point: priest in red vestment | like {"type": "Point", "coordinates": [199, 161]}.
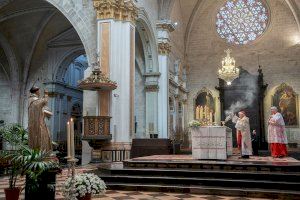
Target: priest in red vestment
{"type": "Point", "coordinates": [276, 134]}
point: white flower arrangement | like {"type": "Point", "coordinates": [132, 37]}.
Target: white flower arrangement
{"type": "Point", "coordinates": [85, 183]}
{"type": "Point", "coordinates": [194, 123]}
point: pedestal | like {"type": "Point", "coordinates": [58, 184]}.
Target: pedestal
{"type": "Point", "coordinates": [44, 188]}
{"type": "Point", "coordinates": [211, 142]}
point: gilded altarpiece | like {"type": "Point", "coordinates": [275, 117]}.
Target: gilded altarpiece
{"type": "Point", "coordinates": [204, 106]}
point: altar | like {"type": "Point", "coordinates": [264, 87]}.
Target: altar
{"type": "Point", "coordinates": [211, 142]}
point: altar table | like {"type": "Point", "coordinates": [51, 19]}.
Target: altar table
{"type": "Point", "coordinates": [211, 142]}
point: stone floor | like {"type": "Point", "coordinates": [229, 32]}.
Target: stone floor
{"type": "Point", "coordinates": [117, 195]}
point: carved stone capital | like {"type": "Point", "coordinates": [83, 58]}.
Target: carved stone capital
{"type": "Point", "coordinates": [151, 88]}
{"type": "Point", "coordinates": [53, 94]}
{"type": "Point", "coordinates": [164, 48]}
{"type": "Point", "coordinates": [124, 10]}
{"type": "Point", "coordinates": [166, 25]}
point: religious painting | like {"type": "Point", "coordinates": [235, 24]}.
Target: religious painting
{"type": "Point", "coordinates": [286, 100]}
{"type": "Point", "coordinates": [205, 106]}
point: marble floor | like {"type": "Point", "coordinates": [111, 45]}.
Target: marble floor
{"type": "Point", "coordinates": [118, 195]}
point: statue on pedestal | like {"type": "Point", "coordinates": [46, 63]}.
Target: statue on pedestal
{"type": "Point", "coordinates": [39, 135]}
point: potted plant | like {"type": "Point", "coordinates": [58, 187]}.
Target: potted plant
{"type": "Point", "coordinates": [25, 161]}
{"type": "Point", "coordinates": [15, 138]}
{"type": "Point", "coordinates": [83, 186]}
{"type": "Point", "coordinates": [40, 168]}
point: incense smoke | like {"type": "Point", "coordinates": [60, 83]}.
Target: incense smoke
{"type": "Point", "coordinates": [246, 100]}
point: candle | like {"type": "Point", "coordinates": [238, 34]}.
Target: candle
{"type": "Point", "coordinates": [72, 139]}
{"type": "Point", "coordinates": [206, 112]}
{"type": "Point", "coordinates": [201, 112]}
{"type": "Point", "coordinates": [197, 112]}
{"type": "Point", "coordinates": [210, 117]}
{"type": "Point", "coordinates": [68, 140]}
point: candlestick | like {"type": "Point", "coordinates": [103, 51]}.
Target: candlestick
{"type": "Point", "coordinates": [68, 140]}
{"type": "Point", "coordinates": [72, 139]}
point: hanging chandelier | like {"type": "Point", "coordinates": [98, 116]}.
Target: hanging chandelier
{"type": "Point", "coordinates": [228, 72]}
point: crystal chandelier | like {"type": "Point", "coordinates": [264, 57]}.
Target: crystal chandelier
{"type": "Point", "coordinates": [228, 72]}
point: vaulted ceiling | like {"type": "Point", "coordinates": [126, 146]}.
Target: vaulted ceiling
{"type": "Point", "coordinates": [190, 8]}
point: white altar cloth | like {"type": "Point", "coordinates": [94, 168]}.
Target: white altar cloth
{"type": "Point", "coordinates": [211, 142]}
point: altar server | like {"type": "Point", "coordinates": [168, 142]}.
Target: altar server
{"type": "Point", "coordinates": [243, 134]}
{"type": "Point", "coordinates": [276, 134]}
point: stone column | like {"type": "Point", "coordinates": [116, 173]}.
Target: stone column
{"type": "Point", "coordinates": [164, 28]}
{"type": "Point", "coordinates": [152, 88]}
{"type": "Point", "coordinates": [116, 47]}
{"type": "Point", "coordinates": [116, 44]}
{"type": "Point", "coordinates": [51, 105]}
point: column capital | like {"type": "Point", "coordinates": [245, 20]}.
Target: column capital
{"type": "Point", "coordinates": [53, 94]}
{"type": "Point", "coordinates": [152, 88]}
{"type": "Point", "coordinates": [165, 25]}
{"type": "Point", "coordinates": [164, 28]}
{"type": "Point", "coordinates": [164, 48]}
{"type": "Point", "coordinates": [124, 10]}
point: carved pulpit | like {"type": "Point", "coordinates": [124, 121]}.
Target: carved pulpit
{"type": "Point", "coordinates": [97, 128]}
{"type": "Point", "coordinates": [247, 90]}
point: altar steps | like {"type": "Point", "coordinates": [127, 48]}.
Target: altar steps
{"type": "Point", "coordinates": [205, 190]}
{"type": "Point", "coordinates": [266, 184]}
{"type": "Point", "coordinates": [215, 165]}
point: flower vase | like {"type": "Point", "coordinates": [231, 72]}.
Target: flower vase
{"type": "Point", "coordinates": [85, 197]}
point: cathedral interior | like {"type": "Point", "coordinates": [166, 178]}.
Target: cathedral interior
{"type": "Point", "coordinates": [159, 60]}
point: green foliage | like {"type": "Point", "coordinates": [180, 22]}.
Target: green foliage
{"type": "Point", "coordinates": [24, 160]}
{"type": "Point", "coordinates": [16, 137]}
{"type": "Point", "coordinates": [35, 163]}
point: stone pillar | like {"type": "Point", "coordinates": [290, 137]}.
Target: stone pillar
{"type": "Point", "coordinates": [152, 88]}
{"type": "Point", "coordinates": [164, 27]}
{"type": "Point", "coordinates": [116, 34]}
{"type": "Point", "coordinates": [116, 47]}
{"type": "Point", "coordinates": [51, 105]}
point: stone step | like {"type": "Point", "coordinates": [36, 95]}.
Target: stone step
{"type": "Point", "coordinates": [215, 165]}
{"type": "Point", "coordinates": [200, 181]}
{"type": "Point", "coordinates": [207, 190]}
{"type": "Point", "coordinates": [256, 175]}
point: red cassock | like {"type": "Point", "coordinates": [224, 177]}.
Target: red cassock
{"type": "Point", "coordinates": [239, 139]}
{"type": "Point", "coordinates": [278, 150]}
{"type": "Point", "coordinates": [277, 136]}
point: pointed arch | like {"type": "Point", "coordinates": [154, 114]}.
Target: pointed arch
{"type": "Point", "coordinates": [144, 28]}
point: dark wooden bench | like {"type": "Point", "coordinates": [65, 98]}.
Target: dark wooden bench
{"type": "Point", "coordinates": [149, 147]}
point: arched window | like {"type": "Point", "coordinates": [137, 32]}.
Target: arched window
{"type": "Point", "coordinates": [75, 71]}
{"type": "Point", "coordinates": [242, 21]}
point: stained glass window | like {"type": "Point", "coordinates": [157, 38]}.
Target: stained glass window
{"type": "Point", "coordinates": [242, 21]}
